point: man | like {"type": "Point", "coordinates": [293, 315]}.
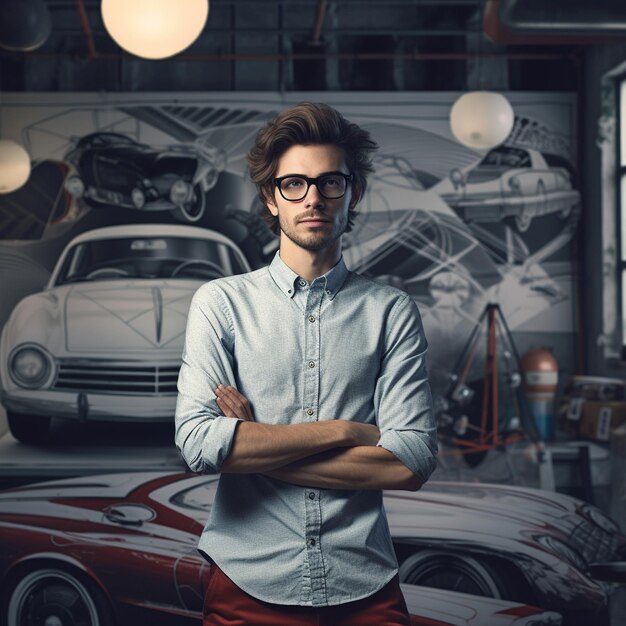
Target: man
{"type": "Point", "coordinates": [304, 385]}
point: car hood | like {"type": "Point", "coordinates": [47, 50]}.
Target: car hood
{"type": "Point", "coordinates": [498, 514]}
{"type": "Point", "coordinates": [127, 316]}
{"type": "Point", "coordinates": [508, 519]}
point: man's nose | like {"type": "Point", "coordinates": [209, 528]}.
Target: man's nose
{"type": "Point", "coordinates": [313, 195]}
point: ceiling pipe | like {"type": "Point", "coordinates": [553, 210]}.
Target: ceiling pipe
{"type": "Point", "coordinates": [499, 33]}
{"type": "Point", "coordinates": [319, 20]}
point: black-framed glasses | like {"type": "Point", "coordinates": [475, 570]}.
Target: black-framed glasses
{"type": "Point", "coordinates": [331, 185]}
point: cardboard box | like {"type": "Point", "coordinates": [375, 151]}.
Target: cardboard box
{"type": "Point", "coordinates": [597, 418]}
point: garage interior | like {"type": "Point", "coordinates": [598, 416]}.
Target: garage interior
{"type": "Point", "coordinates": [392, 53]}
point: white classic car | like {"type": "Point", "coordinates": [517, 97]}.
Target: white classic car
{"type": "Point", "coordinates": [511, 181]}
{"type": "Point", "coordinates": [104, 339]}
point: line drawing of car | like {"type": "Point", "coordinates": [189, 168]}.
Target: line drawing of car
{"type": "Point", "coordinates": [112, 169]}
{"type": "Point", "coordinates": [511, 181]}
{"type": "Point", "coordinates": [122, 549]}
{"type": "Point", "coordinates": [104, 339]}
{"type": "Point", "coordinates": [407, 231]}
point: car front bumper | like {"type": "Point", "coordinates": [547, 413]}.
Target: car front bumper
{"type": "Point", "coordinates": [85, 406]}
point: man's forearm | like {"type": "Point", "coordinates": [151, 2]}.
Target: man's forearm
{"type": "Point", "coordinates": [259, 448]}
{"type": "Point", "coordinates": [360, 467]}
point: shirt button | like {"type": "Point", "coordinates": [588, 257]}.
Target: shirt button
{"type": "Point", "coordinates": [328, 292]}
{"type": "Point", "coordinates": [311, 542]}
{"type": "Point", "coordinates": [311, 495]}
{"type": "Point", "coordinates": [309, 411]}
{"type": "Point", "coordinates": [302, 283]}
{"type": "Point", "coordinates": [311, 363]}
{"type": "Point", "coordinates": [311, 318]}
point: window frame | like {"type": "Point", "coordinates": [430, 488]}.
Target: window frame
{"type": "Point", "coordinates": [620, 189]}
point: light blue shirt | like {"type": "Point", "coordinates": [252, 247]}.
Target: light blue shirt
{"type": "Point", "coordinates": [339, 347]}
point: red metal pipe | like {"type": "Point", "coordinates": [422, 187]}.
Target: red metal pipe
{"type": "Point", "coordinates": [84, 22]}
{"type": "Point", "coordinates": [362, 56]}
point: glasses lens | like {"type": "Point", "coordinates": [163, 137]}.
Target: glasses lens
{"type": "Point", "coordinates": [293, 188]}
{"type": "Point", "coordinates": [332, 185]}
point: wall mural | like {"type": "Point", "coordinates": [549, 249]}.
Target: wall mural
{"type": "Point", "coordinates": [135, 200]}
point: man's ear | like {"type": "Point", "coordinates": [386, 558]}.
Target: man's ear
{"type": "Point", "coordinates": [356, 195]}
{"type": "Point", "coordinates": [270, 203]}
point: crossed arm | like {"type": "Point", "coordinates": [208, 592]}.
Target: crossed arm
{"type": "Point", "coordinates": [333, 454]}
{"type": "Point", "coordinates": [216, 430]}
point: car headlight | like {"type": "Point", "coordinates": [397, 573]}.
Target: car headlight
{"type": "Point", "coordinates": [30, 366]}
{"type": "Point", "coordinates": [75, 186]}
{"type": "Point", "coordinates": [180, 192]}
{"type": "Point", "coordinates": [138, 197]}
{"type": "Point", "coordinates": [514, 184]}
{"type": "Point", "coordinates": [600, 519]}
{"type": "Point", "coordinates": [560, 548]}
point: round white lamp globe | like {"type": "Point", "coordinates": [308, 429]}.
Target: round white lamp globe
{"type": "Point", "coordinates": [154, 29]}
{"type": "Point", "coordinates": [481, 119]}
{"type": "Point", "coordinates": [14, 166]}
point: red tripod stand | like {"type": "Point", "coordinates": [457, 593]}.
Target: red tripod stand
{"type": "Point", "coordinates": [473, 422]}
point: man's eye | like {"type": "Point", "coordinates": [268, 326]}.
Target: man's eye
{"type": "Point", "coordinates": [293, 183]}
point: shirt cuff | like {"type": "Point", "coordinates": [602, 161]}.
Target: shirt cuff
{"type": "Point", "coordinates": [221, 435]}
{"type": "Point", "coordinates": [409, 448]}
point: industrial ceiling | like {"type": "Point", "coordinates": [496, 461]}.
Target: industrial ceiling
{"type": "Point", "coordinates": [269, 45]}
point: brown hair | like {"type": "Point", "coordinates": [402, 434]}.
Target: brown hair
{"type": "Point", "coordinates": [305, 124]}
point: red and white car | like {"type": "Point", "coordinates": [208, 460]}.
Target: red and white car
{"type": "Point", "coordinates": [121, 549]}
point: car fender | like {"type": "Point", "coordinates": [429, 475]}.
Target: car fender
{"type": "Point", "coordinates": [36, 319]}
{"type": "Point", "coordinates": [29, 561]}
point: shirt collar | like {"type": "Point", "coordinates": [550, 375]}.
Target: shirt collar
{"type": "Point", "coordinates": [286, 278]}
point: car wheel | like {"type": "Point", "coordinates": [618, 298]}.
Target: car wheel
{"type": "Point", "coordinates": [55, 597]}
{"type": "Point", "coordinates": [566, 212]}
{"type": "Point", "coordinates": [193, 209]}
{"type": "Point", "coordinates": [28, 428]}
{"type": "Point", "coordinates": [522, 222]}
{"type": "Point", "coordinates": [453, 572]}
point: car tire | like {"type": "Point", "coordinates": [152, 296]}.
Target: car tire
{"type": "Point", "coordinates": [523, 221]}
{"type": "Point", "coordinates": [454, 572]}
{"type": "Point", "coordinates": [192, 211]}
{"type": "Point", "coordinates": [28, 428]}
{"type": "Point", "coordinates": [52, 595]}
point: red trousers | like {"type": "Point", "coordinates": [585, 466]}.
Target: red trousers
{"type": "Point", "coordinates": [225, 604]}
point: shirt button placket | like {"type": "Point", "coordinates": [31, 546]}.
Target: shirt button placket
{"type": "Point", "coordinates": [312, 329]}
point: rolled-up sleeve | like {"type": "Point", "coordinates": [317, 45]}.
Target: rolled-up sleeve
{"type": "Point", "coordinates": [203, 434]}
{"type": "Point", "coordinates": [402, 398]}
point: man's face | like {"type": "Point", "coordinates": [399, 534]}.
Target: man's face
{"type": "Point", "coordinates": [295, 217]}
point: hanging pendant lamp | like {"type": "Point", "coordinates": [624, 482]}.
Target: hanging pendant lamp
{"type": "Point", "coordinates": [154, 29]}
{"type": "Point", "coordinates": [481, 119]}
{"type": "Point", "coordinates": [14, 166]}
{"type": "Point", "coordinates": [25, 25]}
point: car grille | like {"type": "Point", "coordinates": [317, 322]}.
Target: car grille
{"type": "Point", "coordinates": [117, 377]}
{"type": "Point", "coordinates": [114, 176]}
{"type": "Point", "coordinates": [594, 543]}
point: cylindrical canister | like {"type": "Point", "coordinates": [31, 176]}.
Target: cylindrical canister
{"type": "Point", "coordinates": [541, 376]}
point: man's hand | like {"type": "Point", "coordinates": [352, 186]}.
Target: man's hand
{"type": "Point", "coordinates": [261, 447]}
{"type": "Point", "coordinates": [233, 404]}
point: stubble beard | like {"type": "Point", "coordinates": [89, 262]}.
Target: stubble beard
{"type": "Point", "coordinates": [316, 239]}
